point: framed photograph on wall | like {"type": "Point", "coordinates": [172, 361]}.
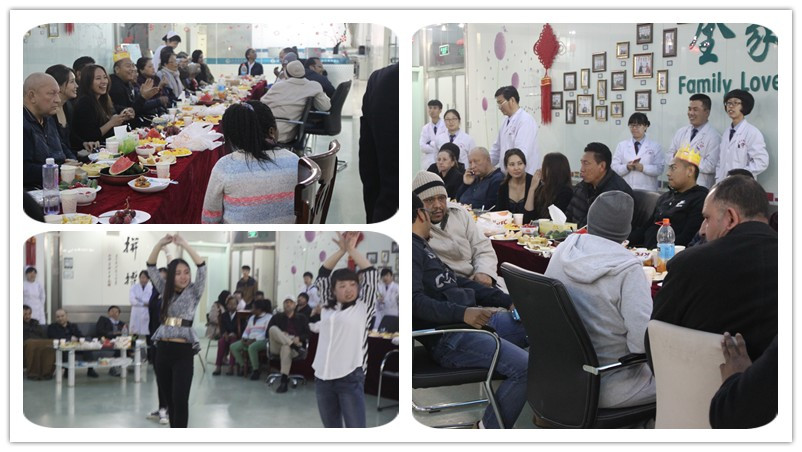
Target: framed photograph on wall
{"type": "Point", "coordinates": [617, 109]}
{"type": "Point", "coordinates": [601, 89]}
{"type": "Point", "coordinates": [662, 81]}
{"type": "Point", "coordinates": [584, 78]}
{"type": "Point", "coordinates": [394, 247]}
{"type": "Point", "coordinates": [372, 257]}
{"type": "Point", "coordinates": [643, 100]}
{"type": "Point", "coordinates": [642, 64]}
{"type": "Point", "coordinates": [644, 33]}
{"type": "Point", "coordinates": [385, 257]}
{"type": "Point", "coordinates": [557, 100]}
{"type": "Point", "coordinates": [570, 112]}
{"type": "Point", "coordinates": [622, 50]}
{"type": "Point", "coordinates": [52, 30]}
{"type": "Point", "coordinates": [619, 79]}
{"type": "Point", "coordinates": [584, 105]}
{"type": "Point", "coordinates": [669, 42]}
{"type": "Point", "coordinates": [569, 81]}
{"type": "Point", "coordinates": [601, 113]}
{"type": "Point", "coordinates": [599, 62]}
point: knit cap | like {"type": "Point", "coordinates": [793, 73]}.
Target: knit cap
{"type": "Point", "coordinates": [610, 216]}
{"type": "Point", "coordinates": [427, 185]}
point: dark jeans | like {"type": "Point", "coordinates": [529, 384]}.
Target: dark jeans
{"type": "Point", "coordinates": [476, 350]}
{"type": "Point", "coordinates": [174, 377]}
{"type": "Point", "coordinates": [342, 400]}
{"type": "Point", "coordinates": [162, 398]}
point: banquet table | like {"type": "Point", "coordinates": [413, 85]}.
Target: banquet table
{"type": "Point", "coordinates": [510, 251]}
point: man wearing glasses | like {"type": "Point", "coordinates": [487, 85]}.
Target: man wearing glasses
{"type": "Point", "coordinates": [519, 130]}
{"type": "Point", "coordinates": [742, 144]}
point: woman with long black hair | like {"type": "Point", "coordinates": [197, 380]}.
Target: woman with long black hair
{"type": "Point", "coordinates": [94, 118]}
{"type": "Point", "coordinates": [342, 353]}
{"type": "Point", "coordinates": [552, 185]}
{"type": "Point", "coordinates": [175, 337]}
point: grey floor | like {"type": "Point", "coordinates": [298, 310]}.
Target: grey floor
{"type": "Point", "coordinates": [220, 401]}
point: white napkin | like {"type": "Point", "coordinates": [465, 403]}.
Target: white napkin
{"type": "Point", "coordinates": [557, 215]}
{"type": "Point", "coordinates": [121, 132]}
{"type": "Point", "coordinates": [197, 136]}
{"type": "Point", "coordinates": [214, 110]}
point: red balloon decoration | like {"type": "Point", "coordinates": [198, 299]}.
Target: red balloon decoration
{"type": "Point", "coordinates": [546, 49]}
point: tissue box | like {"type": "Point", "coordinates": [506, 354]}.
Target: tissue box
{"type": "Point", "coordinates": [546, 226]}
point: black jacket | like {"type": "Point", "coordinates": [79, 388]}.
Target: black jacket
{"type": "Point", "coordinates": [300, 321]}
{"type": "Point", "coordinates": [561, 200]}
{"type": "Point", "coordinates": [86, 124]}
{"type": "Point", "coordinates": [585, 194]}
{"type": "Point", "coordinates": [729, 284]}
{"type": "Point", "coordinates": [328, 88]}
{"type": "Point", "coordinates": [229, 325]}
{"type": "Point", "coordinates": [104, 327]}
{"type": "Point", "coordinates": [40, 141]}
{"type": "Point", "coordinates": [683, 209]}
{"type": "Point", "coordinates": [503, 200]}
{"type": "Point", "coordinates": [56, 331]}
{"type": "Point", "coordinates": [257, 69]}
{"type": "Point", "coordinates": [453, 179]}
{"type": "Point", "coordinates": [32, 330]}
{"type": "Point", "coordinates": [127, 95]}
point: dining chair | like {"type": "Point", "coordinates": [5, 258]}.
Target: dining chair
{"type": "Point", "coordinates": [327, 162]}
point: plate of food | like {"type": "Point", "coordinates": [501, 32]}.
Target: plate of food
{"type": "Point", "coordinates": [71, 218]}
{"type": "Point", "coordinates": [507, 237]}
{"type": "Point", "coordinates": [144, 184]}
{"type": "Point", "coordinates": [177, 152]}
{"type": "Point", "coordinates": [102, 156]}
{"type": "Point", "coordinates": [126, 216]}
{"type": "Point", "coordinates": [92, 170]}
{"type": "Point", "coordinates": [154, 159]}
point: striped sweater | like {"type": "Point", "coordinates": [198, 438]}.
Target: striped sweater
{"type": "Point", "coordinates": [343, 343]}
{"type": "Point", "coordinates": [242, 190]}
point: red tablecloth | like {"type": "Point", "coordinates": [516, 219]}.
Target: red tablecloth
{"type": "Point", "coordinates": [510, 251]}
{"type": "Point", "coordinates": [180, 203]}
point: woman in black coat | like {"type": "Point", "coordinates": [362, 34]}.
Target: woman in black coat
{"type": "Point", "coordinates": [553, 187]}
{"type": "Point", "coordinates": [448, 168]}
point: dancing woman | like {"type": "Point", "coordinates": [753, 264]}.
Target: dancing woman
{"type": "Point", "coordinates": [175, 337]}
{"type": "Point", "coordinates": [342, 352]}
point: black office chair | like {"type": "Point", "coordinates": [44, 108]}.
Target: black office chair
{"type": "Point", "coordinates": [329, 122]}
{"type": "Point", "coordinates": [645, 202]}
{"type": "Point", "coordinates": [564, 371]}
{"type": "Point", "coordinates": [389, 373]}
{"type": "Point", "coordinates": [389, 324]}
{"type": "Point", "coordinates": [427, 373]}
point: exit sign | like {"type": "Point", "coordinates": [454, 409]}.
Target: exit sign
{"type": "Point", "coordinates": [253, 234]}
{"type": "Point", "coordinates": [444, 50]}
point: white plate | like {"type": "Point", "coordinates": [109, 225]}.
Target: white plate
{"type": "Point", "coordinates": [154, 165]}
{"type": "Point", "coordinates": [140, 217]}
{"type": "Point", "coordinates": [37, 196]}
{"type": "Point", "coordinates": [94, 158]}
{"type": "Point", "coordinates": [502, 238]}
{"type": "Point", "coordinates": [97, 190]}
{"type": "Point", "coordinates": [156, 185]}
{"type": "Point", "coordinates": [56, 219]}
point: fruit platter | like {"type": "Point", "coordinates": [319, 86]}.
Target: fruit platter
{"type": "Point", "coordinates": [144, 184]}
{"type": "Point", "coordinates": [124, 216]}
{"type": "Point", "coordinates": [123, 170]}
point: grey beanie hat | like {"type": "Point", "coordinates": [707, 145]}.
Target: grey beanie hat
{"type": "Point", "coordinates": [610, 216]}
{"type": "Point", "coordinates": [428, 184]}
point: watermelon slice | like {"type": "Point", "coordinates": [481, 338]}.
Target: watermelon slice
{"type": "Point", "coordinates": [120, 165]}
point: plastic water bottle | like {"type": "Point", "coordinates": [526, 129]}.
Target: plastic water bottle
{"type": "Point", "coordinates": [665, 242]}
{"type": "Point", "coordinates": [50, 198]}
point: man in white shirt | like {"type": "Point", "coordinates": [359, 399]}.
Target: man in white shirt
{"type": "Point", "coordinates": [310, 289]}
{"type": "Point", "coordinates": [287, 99]}
{"type": "Point", "coordinates": [699, 135]}
{"type": "Point", "coordinates": [388, 298]}
{"type": "Point", "coordinates": [428, 135]}
{"type": "Point", "coordinates": [519, 130]}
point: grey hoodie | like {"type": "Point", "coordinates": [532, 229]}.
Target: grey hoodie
{"type": "Point", "coordinates": [612, 296]}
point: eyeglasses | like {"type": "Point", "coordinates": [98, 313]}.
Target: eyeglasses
{"type": "Point", "coordinates": [500, 104]}
{"type": "Point", "coordinates": [635, 126]}
{"type": "Point", "coordinates": [732, 103]}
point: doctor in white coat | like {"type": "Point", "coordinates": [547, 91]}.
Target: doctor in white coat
{"type": "Point", "coordinates": [519, 130]}
{"type": "Point", "coordinates": [388, 298]}
{"type": "Point", "coordinates": [701, 136]}
{"type": "Point", "coordinates": [33, 295]}
{"type": "Point", "coordinates": [139, 296]}
{"type": "Point", "coordinates": [742, 145]}
{"type": "Point", "coordinates": [453, 134]}
{"type": "Point", "coordinates": [639, 160]}
{"type": "Point", "coordinates": [428, 135]}
{"type": "Point", "coordinates": [310, 289]}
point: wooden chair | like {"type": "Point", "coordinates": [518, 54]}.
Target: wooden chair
{"type": "Point", "coordinates": [327, 162]}
{"type": "Point", "coordinates": [308, 177]}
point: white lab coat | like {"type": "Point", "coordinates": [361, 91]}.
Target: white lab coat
{"type": "Point", "coordinates": [33, 295]}
{"type": "Point", "coordinates": [651, 157]}
{"type": "Point", "coordinates": [311, 290]}
{"type": "Point", "coordinates": [706, 141]}
{"type": "Point", "coordinates": [746, 150]}
{"type": "Point", "coordinates": [517, 131]}
{"type": "Point", "coordinates": [388, 302]}
{"type": "Point", "coordinates": [140, 298]}
{"type": "Point", "coordinates": [461, 139]}
{"type": "Point", "coordinates": [428, 148]}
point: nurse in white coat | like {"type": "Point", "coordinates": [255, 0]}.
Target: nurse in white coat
{"type": "Point", "coordinates": [519, 130]}
{"type": "Point", "coordinates": [33, 295]}
{"type": "Point", "coordinates": [742, 145]}
{"type": "Point", "coordinates": [428, 135]}
{"type": "Point", "coordinates": [453, 134]}
{"type": "Point", "coordinates": [639, 160]}
{"type": "Point", "coordinates": [140, 299]}
{"type": "Point", "coordinates": [701, 136]}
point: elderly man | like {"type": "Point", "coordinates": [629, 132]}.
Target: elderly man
{"type": "Point", "coordinates": [610, 294]}
{"type": "Point", "coordinates": [126, 94]}
{"type": "Point", "coordinates": [481, 181]}
{"type": "Point", "coordinates": [701, 136]}
{"type": "Point", "coordinates": [62, 328]}
{"type": "Point", "coordinates": [519, 130]}
{"type": "Point", "coordinates": [682, 203]}
{"type": "Point", "coordinates": [455, 238]}
{"type": "Point", "coordinates": [288, 99]}
{"type": "Point", "coordinates": [40, 136]}
{"type": "Point", "coordinates": [110, 326]}
{"type": "Point", "coordinates": [288, 332]}
{"type": "Point", "coordinates": [729, 283]}
{"type": "Point", "coordinates": [597, 178]}
{"type": "Point", "coordinates": [316, 73]}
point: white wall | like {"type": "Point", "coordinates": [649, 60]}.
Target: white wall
{"type": "Point", "coordinates": [41, 52]}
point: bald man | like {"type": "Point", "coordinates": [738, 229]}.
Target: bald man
{"type": "Point", "coordinates": [40, 138]}
{"type": "Point", "coordinates": [481, 181]}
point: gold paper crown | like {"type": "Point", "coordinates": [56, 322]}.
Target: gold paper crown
{"type": "Point", "coordinates": [121, 55]}
{"type": "Point", "coordinates": [689, 154]}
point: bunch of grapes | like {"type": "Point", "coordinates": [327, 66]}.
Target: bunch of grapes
{"type": "Point", "coordinates": [124, 216]}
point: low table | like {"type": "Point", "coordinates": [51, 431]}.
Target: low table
{"type": "Point", "coordinates": [71, 364]}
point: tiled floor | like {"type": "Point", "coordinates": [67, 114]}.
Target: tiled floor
{"type": "Point", "coordinates": [220, 401]}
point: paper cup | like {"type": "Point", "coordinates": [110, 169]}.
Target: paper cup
{"type": "Point", "coordinates": [55, 343]}
{"type": "Point", "coordinates": [518, 218]}
{"type": "Point", "coordinates": [53, 219]}
{"type": "Point", "coordinates": [172, 111]}
{"type": "Point", "coordinates": [649, 272]}
{"type": "Point", "coordinates": [68, 173]}
{"type": "Point", "coordinates": [112, 146]}
{"type": "Point", "coordinates": [69, 202]}
{"type": "Point", "coordinates": [163, 170]}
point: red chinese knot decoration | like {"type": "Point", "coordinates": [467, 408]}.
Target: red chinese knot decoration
{"type": "Point", "coordinates": [546, 49]}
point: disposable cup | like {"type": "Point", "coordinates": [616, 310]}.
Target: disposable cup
{"type": "Point", "coordinates": [518, 218]}
{"type": "Point", "coordinates": [69, 202]}
{"type": "Point", "coordinates": [163, 170]}
{"type": "Point", "coordinates": [68, 173]}
{"type": "Point", "coordinates": [112, 146]}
